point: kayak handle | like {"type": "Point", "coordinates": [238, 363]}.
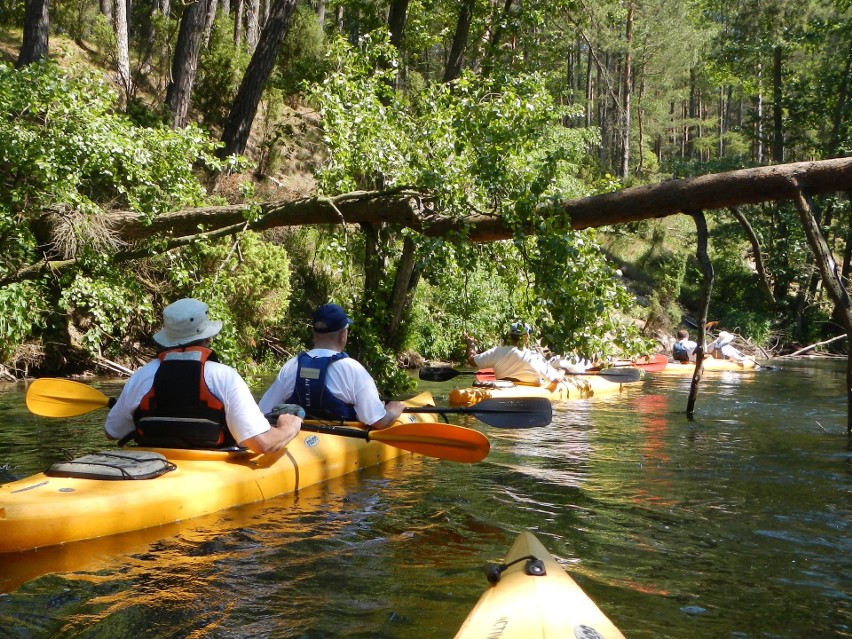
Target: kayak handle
{"type": "Point", "coordinates": [535, 567]}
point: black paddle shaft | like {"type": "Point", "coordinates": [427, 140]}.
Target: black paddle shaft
{"type": "Point", "coordinates": [509, 412]}
{"type": "Point", "coordinates": [445, 373]}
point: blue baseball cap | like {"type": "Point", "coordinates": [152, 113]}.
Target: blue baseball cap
{"type": "Point", "coordinates": [330, 318]}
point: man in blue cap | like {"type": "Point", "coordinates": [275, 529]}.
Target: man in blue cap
{"type": "Point", "coordinates": [515, 361]}
{"type": "Point", "coordinates": [328, 383]}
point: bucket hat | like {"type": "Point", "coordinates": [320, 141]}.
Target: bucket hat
{"type": "Point", "coordinates": [184, 322]}
{"type": "Point", "coordinates": [725, 338]}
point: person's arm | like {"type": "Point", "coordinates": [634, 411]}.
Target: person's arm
{"type": "Point", "coordinates": [393, 410]}
{"type": "Point", "coordinates": [281, 388]}
{"type": "Point", "coordinates": [470, 349]}
{"type": "Point", "coordinates": [277, 437]}
{"type": "Point", "coordinates": [119, 421]}
{"type": "Point", "coordinates": [247, 423]}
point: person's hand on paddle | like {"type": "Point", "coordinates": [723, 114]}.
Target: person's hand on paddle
{"type": "Point", "coordinates": [281, 433]}
{"type": "Point", "coordinates": [393, 410]}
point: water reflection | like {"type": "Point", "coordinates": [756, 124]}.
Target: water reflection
{"type": "Point", "coordinates": [733, 524]}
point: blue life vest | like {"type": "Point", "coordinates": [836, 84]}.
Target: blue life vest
{"type": "Point", "coordinates": [311, 392]}
{"type": "Point", "coordinates": [180, 411]}
{"type": "Point", "coordinates": [680, 353]}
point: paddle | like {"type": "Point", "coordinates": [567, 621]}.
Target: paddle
{"type": "Point", "coordinates": [509, 412]}
{"type": "Point", "coordinates": [51, 397]}
{"type": "Point", "coordinates": [445, 373]}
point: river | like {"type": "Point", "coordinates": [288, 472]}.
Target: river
{"type": "Point", "coordinates": [737, 524]}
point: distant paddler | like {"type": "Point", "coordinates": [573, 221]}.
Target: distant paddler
{"type": "Point", "coordinates": [723, 348]}
{"type": "Point", "coordinates": [515, 361]}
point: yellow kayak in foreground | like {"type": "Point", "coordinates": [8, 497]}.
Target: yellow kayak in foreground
{"type": "Point", "coordinates": [535, 599]}
{"type": "Point", "coordinates": [571, 387]}
{"type": "Point", "coordinates": [45, 510]}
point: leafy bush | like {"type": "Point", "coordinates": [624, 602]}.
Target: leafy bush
{"type": "Point", "coordinates": [107, 308]}
{"type": "Point", "coordinates": [246, 283]}
{"type": "Point", "coordinates": [22, 310]}
{"type": "Point", "coordinates": [67, 151]}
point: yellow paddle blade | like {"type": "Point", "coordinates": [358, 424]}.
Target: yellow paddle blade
{"type": "Point", "coordinates": [435, 439]}
{"type": "Point", "coordinates": [50, 397]}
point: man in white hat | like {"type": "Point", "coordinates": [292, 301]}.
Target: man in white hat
{"type": "Point", "coordinates": [328, 383]}
{"type": "Point", "coordinates": [722, 348]}
{"type": "Point", "coordinates": [515, 361]}
{"type": "Point", "coordinates": [186, 399]}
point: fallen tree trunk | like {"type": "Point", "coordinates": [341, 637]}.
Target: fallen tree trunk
{"type": "Point", "coordinates": [415, 210]}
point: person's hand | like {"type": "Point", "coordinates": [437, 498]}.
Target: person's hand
{"type": "Point", "coordinates": [281, 433]}
{"type": "Point", "coordinates": [289, 425]}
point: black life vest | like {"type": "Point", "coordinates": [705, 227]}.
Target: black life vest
{"type": "Point", "coordinates": [311, 393]}
{"type": "Point", "coordinates": [180, 411]}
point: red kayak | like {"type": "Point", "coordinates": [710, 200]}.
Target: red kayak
{"type": "Point", "coordinates": [652, 364]}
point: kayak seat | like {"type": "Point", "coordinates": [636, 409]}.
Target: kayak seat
{"type": "Point", "coordinates": [118, 465]}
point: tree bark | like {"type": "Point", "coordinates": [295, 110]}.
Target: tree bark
{"type": "Point", "coordinates": [405, 283]}
{"type": "Point", "coordinates": [238, 23]}
{"type": "Point", "coordinates": [396, 21]}
{"type": "Point", "coordinates": [185, 62]}
{"type": "Point", "coordinates": [414, 209]}
{"type": "Point", "coordinates": [106, 9]}
{"type": "Point", "coordinates": [252, 8]}
{"type": "Point", "coordinates": [460, 37]}
{"type": "Point", "coordinates": [765, 285]}
{"type": "Point", "coordinates": [122, 42]}
{"type": "Point", "coordinates": [627, 94]}
{"type": "Point", "coordinates": [237, 128]}
{"type": "Point", "coordinates": [777, 106]}
{"type": "Point", "coordinates": [708, 279]}
{"type": "Point", "coordinates": [36, 33]}
{"type": "Point", "coordinates": [831, 279]}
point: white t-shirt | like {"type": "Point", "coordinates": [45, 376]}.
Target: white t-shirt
{"type": "Point", "coordinates": [729, 352]}
{"type": "Point", "coordinates": [522, 364]}
{"type": "Point", "coordinates": [346, 379]}
{"type": "Point", "coordinates": [244, 418]}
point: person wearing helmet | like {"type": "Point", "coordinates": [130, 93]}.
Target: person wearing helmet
{"type": "Point", "coordinates": [185, 398]}
{"type": "Point", "coordinates": [515, 361]}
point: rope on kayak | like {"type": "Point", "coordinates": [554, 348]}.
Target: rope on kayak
{"type": "Point", "coordinates": [535, 567]}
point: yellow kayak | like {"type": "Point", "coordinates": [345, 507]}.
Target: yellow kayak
{"type": "Point", "coordinates": [45, 510]}
{"type": "Point", "coordinates": [535, 599]}
{"type": "Point", "coordinates": [571, 387]}
{"type": "Point", "coordinates": [711, 364]}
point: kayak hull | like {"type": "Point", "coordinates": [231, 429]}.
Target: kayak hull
{"type": "Point", "coordinates": [710, 365]}
{"type": "Point", "coordinates": [525, 606]}
{"type": "Point", "coordinates": [652, 364]}
{"type": "Point", "coordinates": [572, 387]}
{"type": "Point", "coordinates": [43, 510]}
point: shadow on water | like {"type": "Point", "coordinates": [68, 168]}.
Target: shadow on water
{"type": "Point", "coordinates": [734, 524]}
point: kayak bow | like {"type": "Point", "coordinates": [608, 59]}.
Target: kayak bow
{"type": "Point", "coordinates": [532, 597]}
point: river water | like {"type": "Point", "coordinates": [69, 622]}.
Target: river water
{"type": "Point", "coordinates": [737, 524]}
